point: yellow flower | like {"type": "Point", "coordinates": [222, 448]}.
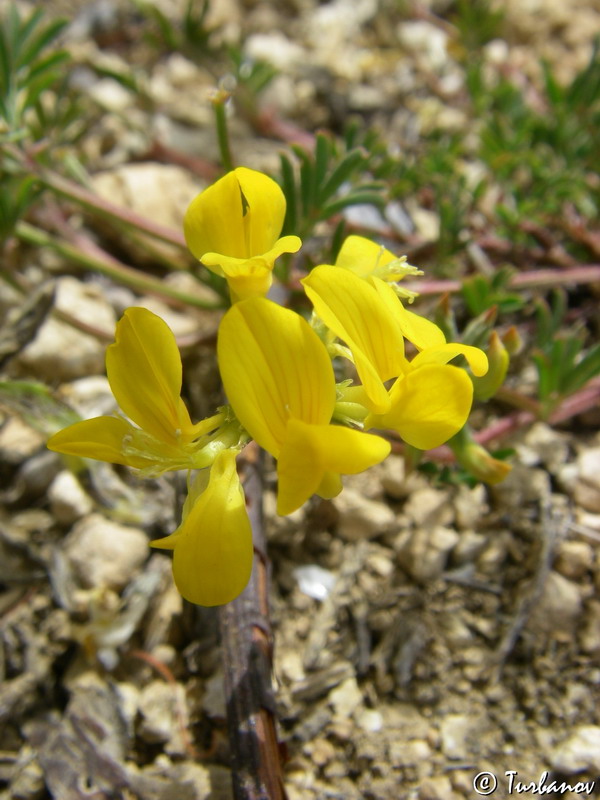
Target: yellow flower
{"type": "Point", "coordinates": [213, 551]}
{"type": "Point", "coordinates": [280, 383]}
{"type": "Point", "coordinates": [371, 320]}
{"type": "Point", "coordinates": [144, 371]}
{"type": "Point", "coordinates": [432, 400]}
{"type": "Point", "coordinates": [233, 228]}
{"type": "Point", "coordinates": [366, 258]}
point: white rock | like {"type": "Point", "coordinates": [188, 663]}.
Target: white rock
{"type": "Point", "coordinates": [289, 665]}
{"type": "Point", "coordinates": [427, 223]}
{"type": "Point", "coordinates": [426, 40]}
{"type": "Point", "coordinates": [522, 485]}
{"type": "Point", "coordinates": [551, 446]}
{"type": "Point", "coordinates": [587, 488]}
{"type": "Point", "coordinates": [314, 581]}
{"type": "Point", "coordinates": [275, 48]}
{"type": "Point", "coordinates": [590, 633]}
{"type": "Point", "coordinates": [111, 95]}
{"type": "Point", "coordinates": [437, 788]}
{"type": "Point", "coordinates": [345, 698]}
{"type": "Point", "coordinates": [429, 506]}
{"type": "Point", "coordinates": [408, 754]}
{"type": "Point", "coordinates": [18, 441]}
{"type": "Point", "coordinates": [558, 610]}
{"type": "Point", "coordinates": [213, 699]}
{"type": "Point", "coordinates": [394, 480]}
{"type": "Point", "coordinates": [468, 548]}
{"type": "Point", "coordinates": [89, 397]}
{"type": "Point", "coordinates": [62, 352]}
{"type": "Point", "coordinates": [104, 553]}
{"type": "Point", "coordinates": [369, 720]}
{"type": "Point", "coordinates": [454, 732]}
{"type": "Point", "coordinates": [426, 554]}
{"type": "Point", "coordinates": [159, 192]}
{"type": "Point", "coordinates": [360, 518]}
{"type": "Point", "coordinates": [574, 559]}
{"type": "Point", "coordinates": [469, 506]}
{"type": "Point", "coordinates": [160, 708]}
{"type": "Point", "coordinates": [68, 500]}
{"type": "Point", "coordinates": [579, 752]}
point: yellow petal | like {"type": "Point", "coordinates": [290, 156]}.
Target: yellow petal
{"type": "Point", "coordinates": [100, 438]}
{"type": "Point", "coordinates": [330, 486]}
{"type": "Point", "coordinates": [241, 215]}
{"type": "Point", "coordinates": [273, 366]}
{"type": "Point", "coordinates": [362, 256]}
{"type": "Point", "coordinates": [429, 405]}
{"type": "Point", "coordinates": [213, 548]}
{"type": "Point", "coordinates": [311, 452]}
{"type": "Point", "coordinates": [441, 354]}
{"type": "Point", "coordinates": [418, 330]}
{"type": "Point", "coordinates": [250, 277]}
{"type": "Point", "coordinates": [354, 311]}
{"type": "Point", "coordinates": [144, 372]}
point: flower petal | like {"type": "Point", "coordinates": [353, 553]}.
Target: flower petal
{"type": "Point", "coordinates": [353, 310]}
{"type": "Point", "coordinates": [250, 277]}
{"type": "Point", "coordinates": [429, 405]}
{"type": "Point", "coordinates": [441, 354]}
{"type": "Point", "coordinates": [310, 453]}
{"type": "Point", "coordinates": [362, 256]}
{"type": "Point", "coordinates": [213, 548]}
{"type": "Point", "coordinates": [100, 438]}
{"type": "Point", "coordinates": [144, 372]}
{"type": "Point", "coordinates": [241, 215]}
{"type": "Point", "coordinates": [418, 330]}
{"type": "Point", "coordinates": [273, 366]}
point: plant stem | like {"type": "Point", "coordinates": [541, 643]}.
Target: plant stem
{"type": "Point", "coordinates": [246, 648]}
{"type": "Point", "coordinates": [219, 102]}
{"type": "Point", "coordinates": [107, 265]}
{"type": "Point", "coordinates": [104, 208]}
{"type": "Point", "coordinates": [534, 279]}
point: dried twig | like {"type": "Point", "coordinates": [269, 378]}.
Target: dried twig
{"type": "Point", "coordinates": [247, 659]}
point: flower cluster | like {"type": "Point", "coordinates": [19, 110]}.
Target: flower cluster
{"type": "Point", "coordinates": [279, 379]}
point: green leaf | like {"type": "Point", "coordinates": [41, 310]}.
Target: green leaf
{"type": "Point", "coordinates": [587, 368]}
{"type": "Point", "coordinates": [357, 198]}
{"type": "Point", "coordinates": [47, 35]}
{"type": "Point", "coordinates": [322, 153]}
{"type": "Point", "coordinates": [288, 184]}
{"type": "Point", "coordinates": [341, 173]}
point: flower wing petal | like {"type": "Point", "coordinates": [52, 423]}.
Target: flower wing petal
{"type": "Point", "coordinates": [144, 372]}
{"type": "Point", "coordinates": [418, 330]}
{"type": "Point", "coordinates": [100, 438]}
{"type": "Point", "coordinates": [429, 405]}
{"type": "Point", "coordinates": [353, 310]}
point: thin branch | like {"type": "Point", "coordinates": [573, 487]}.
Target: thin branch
{"type": "Point", "coordinates": [247, 660]}
{"type": "Point", "coordinates": [534, 279]}
{"type": "Point", "coordinates": [104, 208]}
{"type": "Point", "coordinates": [96, 259]}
